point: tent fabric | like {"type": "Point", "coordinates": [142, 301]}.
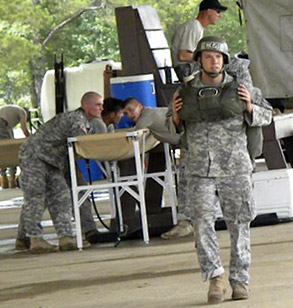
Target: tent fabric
{"type": "Point", "coordinates": [269, 27]}
{"type": "Point", "coordinates": [9, 152]}
{"type": "Point", "coordinates": [112, 146]}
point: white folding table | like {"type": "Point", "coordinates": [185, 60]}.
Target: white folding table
{"type": "Point", "coordinates": [114, 147]}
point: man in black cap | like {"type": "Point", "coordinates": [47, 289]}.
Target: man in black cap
{"type": "Point", "coordinates": [187, 36]}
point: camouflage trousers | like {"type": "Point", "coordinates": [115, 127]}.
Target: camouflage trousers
{"type": "Point", "coordinates": [87, 220]}
{"type": "Point", "coordinates": [182, 187]}
{"type": "Point", "coordinates": [234, 194]}
{"type": "Point", "coordinates": [6, 133]}
{"type": "Point", "coordinates": [44, 186]}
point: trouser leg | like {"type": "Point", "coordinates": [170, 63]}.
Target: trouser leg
{"type": "Point", "coordinates": [3, 171]}
{"type": "Point", "coordinates": [33, 184]}
{"type": "Point", "coordinates": [21, 232]}
{"type": "Point", "coordinates": [87, 221]}
{"type": "Point", "coordinates": [238, 209]}
{"type": "Point", "coordinates": [127, 167]}
{"type": "Point", "coordinates": [58, 201]}
{"type": "Point", "coordinates": [202, 200]}
{"type": "Point", "coordinates": [33, 209]}
{"type": "Point", "coordinates": [240, 252]}
{"type": "Point", "coordinates": [153, 190]}
{"type": "Point", "coordinates": [86, 216]}
{"type": "Point", "coordinates": [12, 171]}
{"type": "Point", "coordinates": [182, 189]}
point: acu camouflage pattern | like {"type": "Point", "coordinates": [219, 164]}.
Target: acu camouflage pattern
{"type": "Point", "coordinates": [219, 148]}
{"type": "Point", "coordinates": [43, 160]}
{"type": "Point", "coordinates": [86, 216]}
{"type": "Point", "coordinates": [234, 194]}
{"type": "Point", "coordinates": [218, 170]}
{"type": "Point", "coordinates": [6, 133]}
{"type": "Point", "coordinates": [182, 188]}
{"type": "Point", "coordinates": [235, 198]}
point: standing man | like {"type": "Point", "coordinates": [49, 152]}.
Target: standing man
{"type": "Point", "coordinates": [184, 44]}
{"type": "Point", "coordinates": [215, 111]}
{"type": "Point", "coordinates": [10, 116]}
{"type": "Point", "coordinates": [187, 36]}
{"type": "Point", "coordinates": [43, 160]}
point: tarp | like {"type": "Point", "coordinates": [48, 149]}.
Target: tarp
{"type": "Point", "coordinates": [269, 26]}
{"type": "Point", "coordinates": [112, 146]}
{"type": "Point", "coordinates": [9, 152]}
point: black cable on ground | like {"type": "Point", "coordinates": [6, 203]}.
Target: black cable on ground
{"type": "Point", "coordinates": [87, 162]}
{"type": "Point", "coordinates": [118, 239]}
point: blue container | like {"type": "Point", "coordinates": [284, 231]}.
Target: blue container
{"type": "Point", "coordinates": [141, 87]}
{"type": "Point", "coordinates": [95, 171]}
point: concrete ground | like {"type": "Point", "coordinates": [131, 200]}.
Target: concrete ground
{"type": "Point", "coordinates": [164, 273]}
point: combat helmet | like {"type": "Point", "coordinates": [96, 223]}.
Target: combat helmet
{"type": "Point", "coordinates": [212, 43]}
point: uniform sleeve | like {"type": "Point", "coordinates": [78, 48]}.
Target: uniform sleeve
{"type": "Point", "coordinates": [170, 124]}
{"type": "Point", "coordinates": [77, 124]}
{"type": "Point", "coordinates": [262, 110]}
{"type": "Point", "coordinates": [260, 116]}
{"type": "Point", "coordinates": [97, 126]}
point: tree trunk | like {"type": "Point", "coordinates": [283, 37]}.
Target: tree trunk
{"type": "Point", "coordinates": [38, 69]}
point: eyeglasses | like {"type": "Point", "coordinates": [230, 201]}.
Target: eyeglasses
{"type": "Point", "coordinates": [217, 10]}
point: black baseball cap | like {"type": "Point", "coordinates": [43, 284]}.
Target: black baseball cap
{"type": "Point", "coordinates": [212, 4]}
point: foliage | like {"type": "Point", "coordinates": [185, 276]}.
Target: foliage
{"type": "Point", "coordinates": [28, 40]}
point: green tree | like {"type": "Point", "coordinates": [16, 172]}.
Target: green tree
{"type": "Point", "coordinates": [32, 31]}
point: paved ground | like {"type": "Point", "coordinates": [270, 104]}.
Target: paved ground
{"type": "Point", "coordinates": [163, 274]}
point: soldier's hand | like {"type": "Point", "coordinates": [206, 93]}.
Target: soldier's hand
{"type": "Point", "coordinates": [245, 96]}
{"type": "Point", "coordinates": [177, 104]}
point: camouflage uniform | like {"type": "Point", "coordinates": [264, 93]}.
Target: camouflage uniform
{"type": "Point", "coordinates": [43, 160]}
{"type": "Point", "coordinates": [218, 169]}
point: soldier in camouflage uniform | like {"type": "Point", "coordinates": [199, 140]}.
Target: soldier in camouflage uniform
{"type": "Point", "coordinates": [214, 111]}
{"type": "Point", "coordinates": [43, 159]}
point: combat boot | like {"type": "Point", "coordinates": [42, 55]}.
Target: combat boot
{"type": "Point", "coordinates": [216, 290]}
{"type": "Point", "coordinates": [240, 291]}
{"type": "Point", "coordinates": [22, 243]}
{"type": "Point", "coordinates": [11, 181]}
{"type": "Point", "coordinates": [67, 243]}
{"type": "Point", "coordinates": [184, 228]}
{"type": "Point", "coordinates": [39, 245]}
{"type": "Point", "coordinates": [4, 181]}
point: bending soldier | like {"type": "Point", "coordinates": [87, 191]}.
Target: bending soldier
{"type": "Point", "coordinates": [43, 160]}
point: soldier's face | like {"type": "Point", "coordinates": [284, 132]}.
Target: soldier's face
{"type": "Point", "coordinates": [94, 108]}
{"type": "Point", "coordinates": [116, 116]}
{"type": "Point", "coordinates": [133, 110]}
{"type": "Point", "coordinates": [212, 61]}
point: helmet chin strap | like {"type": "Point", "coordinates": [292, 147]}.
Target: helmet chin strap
{"type": "Point", "coordinates": [211, 74]}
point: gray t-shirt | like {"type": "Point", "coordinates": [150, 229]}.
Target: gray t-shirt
{"type": "Point", "coordinates": [155, 120]}
{"type": "Point", "coordinates": [12, 114]}
{"type": "Point", "coordinates": [186, 37]}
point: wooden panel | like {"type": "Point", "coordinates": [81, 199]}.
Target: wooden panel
{"type": "Point", "coordinates": [127, 37]}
